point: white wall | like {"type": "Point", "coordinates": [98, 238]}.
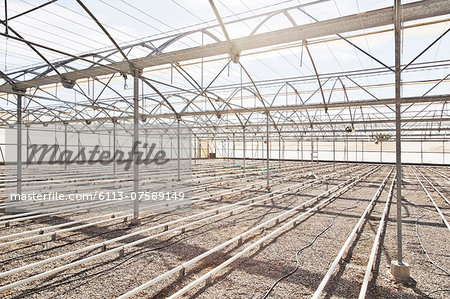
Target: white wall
{"type": "Point", "coordinates": [432, 152]}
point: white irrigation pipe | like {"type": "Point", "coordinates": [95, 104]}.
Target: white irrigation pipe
{"type": "Point", "coordinates": [89, 206]}
{"type": "Point", "coordinates": [121, 249]}
{"type": "Point", "coordinates": [432, 200]}
{"type": "Point", "coordinates": [74, 207]}
{"type": "Point", "coordinates": [431, 184]}
{"type": "Point", "coordinates": [115, 215]}
{"type": "Point", "coordinates": [121, 216]}
{"type": "Point", "coordinates": [73, 183]}
{"type": "Point", "coordinates": [350, 239]}
{"type": "Point", "coordinates": [71, 186]}
{"type": "Point", "coordinates": [220, 193]}
{"type": "Point", "coordinates": [439, 173]}
{"type": "Point", "coordinates": [96, 186]}
{"type": "Point", "coordinates": [78, 207]}
{"type": "Point", "coordinates": [376, 243]}
{"type": "Point", "coordinates": [93, 171]}
{"type": "Point", "coordinates": [181, 268]}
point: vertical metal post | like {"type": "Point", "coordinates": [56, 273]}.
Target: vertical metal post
{"type": "Point", "coordinates": [252, 140]}
{"type": "Point", "coordinates": [228, 149]}
{"type": "Point", "coordinates": [195, 148]}
{"type": "Point", "coordinates": [199, 148]}
{"type": "Point", "coordinates": [279, 150]}
{"type": "Point", "coordinates": [317, 149]}
{"type": "Point", "coordinates": [114, 147]}
{"type": "Point", "coordinates": [262, 148]}
{"type": "Point", "coordinates": [398, 150]}
{"type": "Point", "coordinates": [334, 152]}
{"type": "Point", "coordinates": [301, 143]}
{"type": "Point", "coordinates": [135, 143]}
{"type": "Point", "coordinates": [298, 150]}
{"type": "Point", "coordinates": [267, 153]}
{"type": "Point", "coordinates": [65, 146]}
{"type": "Point", "coordinates": [178, 149]}
{"type": "Point", "coordinates": [312, 152]}
{"type": "Point", "coordinates": [243, 144]}
{"type": "Point", "coordinates": [79, 145]}
{"type": "Point", "coordinates": [381, 151]}
{"type": "Point", "coordinates": [362, 150]}
{"type": "Point", "coordinates": [146, 142]}
{"type": "Point", "coordinates": [6, 17]}
{"type": "Point", "coordinates": [28, 144]}
{"type": "Point", "coordinates": [443, 151]}
{"type": "Point", "coordinates": [421, 152]}
{"type": "Point", "coordinates": [346, 149]}
{"type": "Point", "coordinates": [356, 149]}
{"type": "Point", "coordinates": [109, 141]}
{"type": "Point", "coordinates": [19, 144]}
{"type": "Point", "coordinates": [234, 150]}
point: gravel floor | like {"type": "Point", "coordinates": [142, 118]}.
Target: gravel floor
{"type": "Point", "coordinates": [252, 275]}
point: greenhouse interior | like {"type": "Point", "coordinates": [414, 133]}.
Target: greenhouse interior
{"type": "Point", "coordinates": [225, 149]}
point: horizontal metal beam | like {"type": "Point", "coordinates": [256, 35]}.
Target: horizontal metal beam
{"type": "Point", "coordinates": [381, 17]}
{"type": "Point", "coordinates": [336, 123]}
{"type": "Point", "coordinates": [296, 135]}
{"type": "Point", "coordinates": [406, 100]}
{"type": "Point", "coordinates": [309, 131]}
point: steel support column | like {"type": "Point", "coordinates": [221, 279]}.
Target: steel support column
{"type": "Point", "coordinates": [267, 153]}
{"type": "Point", "coordinates": [346, 149]}
{"type": "Point", "coordinates": [199, 148]}
{"type": "Point", "coordinates": [228, 149]}
{"type": "Point", "coordinates": [28, 144]}
{"type": "Point", "coordinates": [65, 146]}
{"type": "Point", "coordinates": [114, 148]}
{"type": "Point", "coordinates": [234, 150]}
{"type": "Point", "coordinates": [312, 153]}
{"type": "Point", "coordinates": [334, 153]}
{"type": "Point", "coordinates": [381, 152]}
{"type": "Point", "coordinates": [136, 144]}
{"type": "Point", "coordinates": [301, 143]}
{"type": "Point", "coordinates": [243, 145]}
{"type": "Point", "coordinates": [195, 148]}
{"type": "Point", "coordinates": [78, 145]}
{"type": "Point", "coordinates": [178, 150]}
{"type": "Point", "coordinates": [421, 152]}
{"type": "Point", "coordinates": [19, 144]}
{"type": "Point", "coordinates": [362, 151]}
{"type": "Point", "coordinates": [398, 140]}
{"type": "Point", "coordinates": [279, 150]}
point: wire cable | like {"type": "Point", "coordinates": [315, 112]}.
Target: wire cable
{"type": "Point", "coordinates": [423, 247]}
{"type": "Point", "coordinates": [300, 250]}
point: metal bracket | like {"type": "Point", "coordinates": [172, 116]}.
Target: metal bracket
{"type": "Point", "coordinates": [234, 54]}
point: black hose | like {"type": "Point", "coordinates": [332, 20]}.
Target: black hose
{"type": "Point", "coordinates": [300, 250]}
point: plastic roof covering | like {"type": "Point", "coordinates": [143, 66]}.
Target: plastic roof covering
{"type": "Point", "coordinates": [275, 76]}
